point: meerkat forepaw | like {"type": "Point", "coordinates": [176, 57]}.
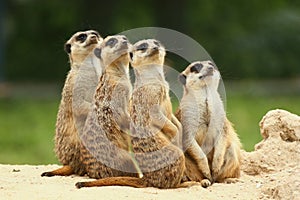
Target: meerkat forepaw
{"type": "Point", "coordinates": [205, 183]}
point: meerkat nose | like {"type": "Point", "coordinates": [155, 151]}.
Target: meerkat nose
{"type": "Point", "coordinates": [210, 67]}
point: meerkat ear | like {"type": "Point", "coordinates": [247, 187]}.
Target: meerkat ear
{"type": "Point", "coordinates": [182, 79]}
{"type": "Point", "coordinates": [67, 48]}
{"type": "Point", "coordinates": [97, 52]}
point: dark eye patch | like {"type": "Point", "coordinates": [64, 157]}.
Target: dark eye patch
{"type": "Point", "coordinates": [67, 48]}
{"type": "Point", "coordinates": [182, 79]}
{"type": "Point", "coordinates": [81, 37]}
{"type": "Point", "coordinates": [111, 42]}
{"type": "Point", "coordinates": [196, 68]}
{"type": "Point", "coordinates": [142, 47]}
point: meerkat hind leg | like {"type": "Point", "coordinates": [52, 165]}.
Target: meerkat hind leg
{"type": "Point", "coordinates": [230, 170]}
{"type": "Point", "coordinates": [66, 170]}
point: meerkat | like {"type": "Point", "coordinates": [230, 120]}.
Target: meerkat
{"type": "Point", "coordinates": [152, 129]}
{"type": "Point", "coordinates": [76, 100]}
{"type": "Point", "coordinates": [104, 141]}
{"type": "Point", "coordinates": [212, 145]}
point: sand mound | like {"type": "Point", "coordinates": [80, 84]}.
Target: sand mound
{"type": "Point", "coordinates": [277, 157]}
{"type": "Point", "coordinates": [271, 171]}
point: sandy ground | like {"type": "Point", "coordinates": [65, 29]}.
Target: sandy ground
{"type": "Point", "coordinates": [272, 171]}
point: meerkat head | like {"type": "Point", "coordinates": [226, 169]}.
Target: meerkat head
{"type": "Point", "coordinates": [147, 52]}
{"type": "Point", "coordinates": [200, 74]}
{"type": "Point", "coordinates": [81, 44]}
{"type": "Point", "coordinates": [113, 49]}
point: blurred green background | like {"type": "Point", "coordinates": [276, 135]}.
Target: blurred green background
{"type": "Point", "coordinates": [254, 43]}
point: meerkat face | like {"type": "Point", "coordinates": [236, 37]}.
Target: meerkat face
{"type": "Point", "coordinates": [112, 49]}
{"type": "Point", "coordinates": [81, 44]}
{"type": "Point", "coordinates": [200, 74]}
{"type": "Point", "coordinates": [147, 52]}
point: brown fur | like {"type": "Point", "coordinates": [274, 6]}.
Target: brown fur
{"type": "Point", "coordinates": [66, 135]}
{"type": "Point", "coordinates": [203, 119]}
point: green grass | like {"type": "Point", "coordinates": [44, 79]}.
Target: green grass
{"type": "Point", "coordinates": [245, 112]}
{"type": "Point", "coordinates": [27, 126]}
{"type": "Point", "coordinates": [27, 131]}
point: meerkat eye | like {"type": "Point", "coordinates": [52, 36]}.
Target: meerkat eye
{"type": "Point", "coordinates": [197, 68]}
{"type": "Point", "coordinates": [82, 37]}
{"type": "Point", "coordinates": [142, 47]}
{"type": "Point", "coordinates": [67, 48]}
{"type": "Point", "coordinates": [111, 42]}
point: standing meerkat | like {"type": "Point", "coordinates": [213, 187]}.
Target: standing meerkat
{"type": "Point", "coordinates": [104, 148]}
{"type": "Point", "coordinates": [208, 137]}
{"type": "Point", "coordinates": [76, 100]}
{"type": "Point", "coordinates": [161, 162]}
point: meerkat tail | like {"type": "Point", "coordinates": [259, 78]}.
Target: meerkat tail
{"type": "Point", "coordinates": [63, 171]}
{"type": "Point", "coordinates": [113, 181]}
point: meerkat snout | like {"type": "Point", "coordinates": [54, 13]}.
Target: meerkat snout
{"type": "Point", "coordinates": [155, 48]}
{"type": "Point", "coordinates": [206, 71]}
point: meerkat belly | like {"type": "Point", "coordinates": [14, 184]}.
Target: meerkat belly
{"type": "Point", "coordinates": [66, 132]}
{"type": "Point", "coordinates": [152, 149]}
